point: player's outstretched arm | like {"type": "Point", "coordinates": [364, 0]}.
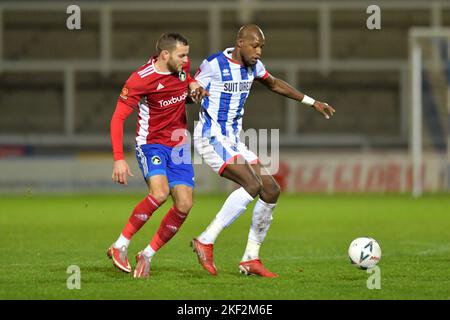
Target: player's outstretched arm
{"type": "Point", "coordinates": [282, 87]}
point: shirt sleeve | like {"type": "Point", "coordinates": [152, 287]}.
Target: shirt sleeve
{"type": "Point", "coordinates": [187, 69]}
{"type": "Point", "coordinates": [121, 113]}
{"type": "Point", "coordinates": [133, 90]}
{"type": "Point", "coordinates": [190, 79]}
{"type": "Point", "coordinates": [261, 71]}
{"type": "Point", "coordinates": [204, 74]}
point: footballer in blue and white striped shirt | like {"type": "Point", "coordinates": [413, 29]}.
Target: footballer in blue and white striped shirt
{"type": "Point", "coordinates": [228, 76]}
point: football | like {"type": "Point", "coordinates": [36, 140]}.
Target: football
{"type": "Point", "coordinates": [364, 252]}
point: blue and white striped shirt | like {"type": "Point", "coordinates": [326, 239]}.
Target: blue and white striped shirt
{"type": "Point", "coordinates": [228, 83]}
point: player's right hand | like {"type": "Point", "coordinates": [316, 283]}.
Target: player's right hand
{"type": "Point", "coordinates": [120, 172]}
{"type": "Point", "coordinates": [198, 94]}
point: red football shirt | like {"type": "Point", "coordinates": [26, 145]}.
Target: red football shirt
{"type": "Point", "coordinates": [160, 99]}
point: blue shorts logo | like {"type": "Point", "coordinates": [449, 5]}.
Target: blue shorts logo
{"type": "Point", "coordinates": [156, 160]}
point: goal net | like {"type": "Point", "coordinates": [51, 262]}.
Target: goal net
{"type": "Point", "coordinates": [430, 108]}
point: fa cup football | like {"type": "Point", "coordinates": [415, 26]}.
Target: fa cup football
{"type": "Point", "coordinates": [364, 252]}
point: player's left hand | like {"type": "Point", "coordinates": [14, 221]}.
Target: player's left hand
{"type": "Point", "coordinates": [324, 108]}
{"type": "Point", "coordinates": [198, 94]}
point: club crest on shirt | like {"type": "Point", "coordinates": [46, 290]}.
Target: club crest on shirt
{"type": "Point", "coordinates": [182, 75]}
{"type": "Point", "coordinates": [156, 160]}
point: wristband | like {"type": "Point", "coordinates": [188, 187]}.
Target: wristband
{"type": "Point", "coordinates": [308, 100]}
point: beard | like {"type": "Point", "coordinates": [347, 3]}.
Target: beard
{"type": "Point", "coordinates": [172, 66]}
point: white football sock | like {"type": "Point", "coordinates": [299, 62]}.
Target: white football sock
{"type": "Point", "coordinates": [212, 231]}
{"type": "Point", "coordinates": [261, 220]}
{"type": "Point", "coordinates": [251, 251]}
{"type": "Point", "coordinates": [149, 252]}
{"type": "Point", "coordinates": [122, 241]}
{"type": "Point", "coordinates": [233, 207]}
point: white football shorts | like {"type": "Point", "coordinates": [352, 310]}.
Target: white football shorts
{"type": "Point", "coordinates": [219, 151]}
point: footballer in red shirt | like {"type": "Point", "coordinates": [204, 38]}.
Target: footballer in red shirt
{"type": "Point", "coordinates": [158, 92]}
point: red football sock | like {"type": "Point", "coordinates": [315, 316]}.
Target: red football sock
{"type": "Point", "coordinates": [141, 213]}
{"type": "Point", "coordinates": [169, 226]}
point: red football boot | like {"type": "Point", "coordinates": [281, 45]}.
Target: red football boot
{"type": "Point", "coordinates": [205, 255]}
{"type": "Point", "coordinates": [255, 267]}
{"type": "Point", "coordinates": [142, 266]}
{"type": "Point", "coordinates": [119, 257]}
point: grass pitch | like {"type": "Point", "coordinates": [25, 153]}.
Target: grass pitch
{"type": "Point", "coordinates": [41, 236]}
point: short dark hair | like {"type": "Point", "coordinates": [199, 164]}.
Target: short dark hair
{"type": "Point", "coordinates": [168, 41]}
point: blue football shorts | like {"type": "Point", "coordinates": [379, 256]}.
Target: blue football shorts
{"type": "Point", "coordinates": [173, 162]}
